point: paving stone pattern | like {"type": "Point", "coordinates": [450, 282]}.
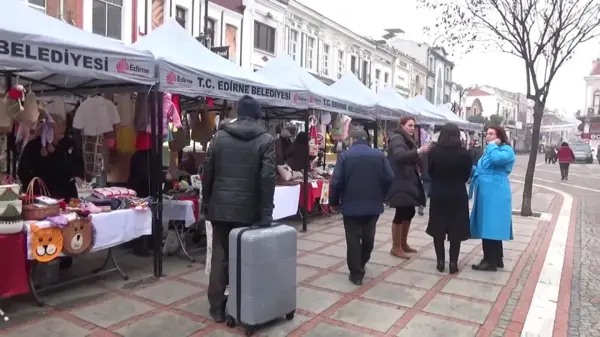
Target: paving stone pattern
{"type": "Point", "coordinates": [398, 298]}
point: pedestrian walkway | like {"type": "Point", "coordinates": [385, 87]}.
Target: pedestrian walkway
{"type": "Point", "coordinates": [398, 298]}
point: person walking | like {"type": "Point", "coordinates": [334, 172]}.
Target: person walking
{"type": "Point", "coordinates": [237, 189]}
{"type": "Point", "coordinates": [360, 182]}
{"type": "Point", "coordinates": [406, 191]}
{"type": "Point", "coordinates": [565, 157]}
{"type": "Point", "coordinates": [449, 168]}
{"type": "Point", "coordinates": [491, 216]}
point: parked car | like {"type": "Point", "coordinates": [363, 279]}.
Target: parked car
{"type": "Point", "coordinates": [598, 154]}
{"type": "Point", "coordinates": [582, 151]}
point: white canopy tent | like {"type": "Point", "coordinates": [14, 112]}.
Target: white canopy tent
{"type": "Point", "coordinates": [395, 100]}
{"type": "Point", "coordinates": [321, 96]}
{"type": "Point", "coordinates": [452, 117]}
{"type": "Point", "coordinates": [424, 107]}
{"type": "Point", "coordinates": [188, 68]}
{"type": "Point", "coordinates": [350, 86]}
{"type": "Point", "coordinates": [56, 57]}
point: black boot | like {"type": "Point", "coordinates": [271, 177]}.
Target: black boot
{"type": "Point", "coordinates": [484, 266]}
{"type": "Point", "coordinates": [453, 267]}
{"type": "Point", "coordinates": [356, 280]}
{"type": "Point", "coordinates": [218, 315]}
{"type": "Point", "coordinates": [441, 265]}
{"type": "Point", "coordinates": [500, 264]}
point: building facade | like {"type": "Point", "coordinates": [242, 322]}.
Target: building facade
{"type": "Point", "coordinates": [438, 80]}
{"type": "Point", "coordinates": [590, 116]}
{"type": "Point", "coordinates": [384, 71]}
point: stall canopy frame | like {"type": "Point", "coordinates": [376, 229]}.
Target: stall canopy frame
{"type": "Point", "coordinates": [49, 56]}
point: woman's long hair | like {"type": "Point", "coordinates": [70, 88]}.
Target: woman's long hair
{"type": "Point", "coordinates": [449, 136]}
{"type": "Point", "coordinates": [500, 133]}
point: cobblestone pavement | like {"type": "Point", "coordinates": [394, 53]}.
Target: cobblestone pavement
{"type": "Point", "coordinates": [399, 298]}
{"type": "Point", "coordinates": [584, 186]}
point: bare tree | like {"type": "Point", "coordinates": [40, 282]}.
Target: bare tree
{"type": "Point", "coordinates": [543, 33]}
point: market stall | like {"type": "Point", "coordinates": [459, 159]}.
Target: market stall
{"type": "Point", "coordinates": [52, 57]}
{"type": "Point", "coordinates": [327, 106]}
{"type": "Point", "coordinates": [453, 118]}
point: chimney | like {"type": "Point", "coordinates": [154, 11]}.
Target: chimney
{"type": "Point", "coordinates": [595, 67]}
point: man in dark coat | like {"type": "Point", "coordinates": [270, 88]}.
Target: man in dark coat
{"type": "Point", "coordinates": [360, 181]}
{"type": "Point", "coordinates": [237, 189]}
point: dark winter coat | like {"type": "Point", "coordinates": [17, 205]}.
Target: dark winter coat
{"type": "Point", "coordinates": [406, 189]}
{"type": "Point", "coordinates": [361, 180]}
{"type": "Point", "coordinates": [449, 169]}
{"type": "Point", "coordinates": [239, 174]}
{"type": "Point", "coordinates": [57, 169]}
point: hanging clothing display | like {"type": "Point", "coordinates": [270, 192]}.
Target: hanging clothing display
{"type": "Point", "coordinates": [202, 124]}
{"type": "Point", "coordinates": [92, 154]}
{"type": "Point", "coordinates": [126, 108]}
{"type": "Point", "coordinates": [96, 116]}
{"type": "Point", "coordinates": [169, 114]}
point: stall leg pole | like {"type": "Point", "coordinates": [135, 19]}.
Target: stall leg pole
{"type": "Point", "coordinates": [154, 184]}
{"type": "Point", "coordinates": [159, 181]}
{"type": "Point", "coordinates": [305, 178]}
{"type": "Point", "coordinates": [11, 155]}
{"type": "Point", "coordinates": [376, 136]}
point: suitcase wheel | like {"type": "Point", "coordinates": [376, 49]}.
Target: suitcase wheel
{"type": "Point", "coordinates": [249, 331]}
{"type": "Point", "coordinates": [290, 316]}
{"type": "Point", "coordinates": [230, 322]}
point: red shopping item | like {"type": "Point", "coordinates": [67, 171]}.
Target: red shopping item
{"type": "Point", "coordinates": [143, 141]}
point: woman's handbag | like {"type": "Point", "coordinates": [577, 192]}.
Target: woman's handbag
{"type": "Point", "coordinates": [33, 211]}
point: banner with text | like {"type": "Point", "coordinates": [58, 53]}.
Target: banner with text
{"type": "Point", "coordinates": [77, 61]}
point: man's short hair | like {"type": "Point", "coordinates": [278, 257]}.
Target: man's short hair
{"type": "Point", "coordinates": [358, 134]}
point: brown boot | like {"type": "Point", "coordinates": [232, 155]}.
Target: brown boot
{"type": "Point", "coordinates": [396, 242]}
{"type": "Point", "coordinates": [404, 238]}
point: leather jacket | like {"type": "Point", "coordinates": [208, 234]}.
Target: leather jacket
{"type": "Point", "coordinates": [239, 174]}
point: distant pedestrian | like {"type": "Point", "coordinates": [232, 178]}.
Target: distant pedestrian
{"type": "Point", "coordinates": [491, 217]}
{"type": "Point", "coordinates": [449, 168]}
{"type": "Point", "coordinates": [565, 157]}
{"type": "Point", "coordinates": [360, 182]}
{"type": "Point", "coordinates": [551, 155]}
{"type": "Point", "coordinates": [406, 191]}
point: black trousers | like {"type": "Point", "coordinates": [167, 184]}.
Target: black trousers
{"type": "Point", "coordinates": [564, 169]}
{"type": "Point", "coordinates": [492, 251]}
{"type": "Point", "coordinates": [219, 269]}
{"type": "Point", "coordinates": [440, 250]}
{"type": "Point", "coordinates": [360, 239]}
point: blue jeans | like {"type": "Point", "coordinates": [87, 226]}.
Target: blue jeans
{"type": "Point", "coordinates": [427, 188]}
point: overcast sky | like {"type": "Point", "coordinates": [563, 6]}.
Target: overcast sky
{"type": "Point", "coordinates": [492, 68]}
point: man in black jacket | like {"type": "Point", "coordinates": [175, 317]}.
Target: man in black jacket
{"type": "Point", "coordinates": [360, 182]}
{"type": "Point", "coordinates": [237, 189]}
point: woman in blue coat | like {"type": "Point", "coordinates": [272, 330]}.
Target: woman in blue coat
{"type": "Point", "coordinates": [491, 217]}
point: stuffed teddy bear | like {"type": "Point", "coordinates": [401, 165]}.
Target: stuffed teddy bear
{"type": "Point", "coordinates": [17, 93]}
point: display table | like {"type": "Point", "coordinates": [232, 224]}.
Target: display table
{"type": "Point", "coordinates": [179, 210]}
{"type": "Point", "coordinates": [286, 200]}
{"type": "Point", "coordinates": [13, 266]}
{"type": "Point", "coordinates": [112, 229]}
{"type": "Point", "coordinates": [314, 193]}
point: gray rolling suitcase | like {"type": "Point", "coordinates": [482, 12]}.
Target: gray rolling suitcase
{"type": "Point", "coordinates": [262, 275]}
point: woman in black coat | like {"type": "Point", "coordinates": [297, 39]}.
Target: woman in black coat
{"type": "Point", "coordinates": [449, 168]}
{"type": "Point", "coordinates": [406, 191]}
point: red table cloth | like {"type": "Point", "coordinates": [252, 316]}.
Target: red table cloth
{"type": "Point", "coordinates": [314, 193]}
{"type": "Point", "coordinates": [13, 265]}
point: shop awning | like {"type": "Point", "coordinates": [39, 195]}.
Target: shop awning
{"type": "Point", "coordinates": [349, 85]}
{"type": "Point", "coordinates": [320, 96]}
{"type": "Point", "coordinates": [56, 55]}
{"type": "Point", "coordinates": [188, 68]}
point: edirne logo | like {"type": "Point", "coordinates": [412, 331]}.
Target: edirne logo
{"type": "Point", "coordinates": [125, 67]}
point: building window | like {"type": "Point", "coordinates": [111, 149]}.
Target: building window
{"type": "Point", "coordinates": [446, 98]}
{"type": "Point", "coordinates": [353, 65]}
{"type": "Point", "coordinates": [107, 18]}
{"type": "Point", "coordinates": [326, 59]}
{"type": "Point", "coordinates": [431, 63]}
{"type": "Point", "coordinates": [293, 44]}
{"type": "Point", "coordinates": [429, 94]}
{"type": "Point", "coordinates": [40, 5]}
{"type": "Point", "coordinates": [264, 37]}
{"type": "Point", "coordinates": [447, 76]}
{"type": "Point", "coordinates": [180, 16]}
{"type": "Point", "coordinates": [310, 52]}
{"type": "Point", "coordinates": [210, 31]}
{"type": "Point", "coordinates": [596, 98]}
{"type": "Point", "coordinates": [341, 65]}
{"type": "Point", "coordinates": [365, 74]}
{"type": "Point", "coordinates": [402, 64]}
{"type": "Point", "coordinates": [386, 79]}
{"type": "Point", "coordinates": [377, 77]}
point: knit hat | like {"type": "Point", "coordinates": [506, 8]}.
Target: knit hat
{"type": "Point", "coordinates": [248, 107]}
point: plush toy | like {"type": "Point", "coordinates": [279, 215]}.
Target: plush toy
{"type": "Point", "coordinates": [17, 93]}
{"type": "Point", "coordinates": [78, 236]}
{"type": "Point", "coordinates": [46, 243]}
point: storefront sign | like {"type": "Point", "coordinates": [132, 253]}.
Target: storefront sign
{"type": "Point", "coordinates": [221, 51]}
{"type": "Point", "coordinates": [590, 136]}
